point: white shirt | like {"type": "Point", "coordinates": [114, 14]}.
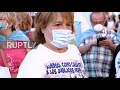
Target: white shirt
{"type": "Point", "coordinates": [117, 65]}
{"type": "Point", "coordinates": [45, 63]}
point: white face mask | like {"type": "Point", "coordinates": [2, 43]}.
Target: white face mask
{"type": "Point", "coordinates": [61, 37]}
{"type": "Point", "coordinates": [98, 27]}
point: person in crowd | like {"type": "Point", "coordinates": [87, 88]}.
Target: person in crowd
{"type": "Point", "coordinates": [118, 27]}
{"type": "Point", "coordinates": [116, 16]}
{"type": "Point", "coordinates": [25, 23]}
{"type": "Point", "coordinates": [97, 47]}
{"type": "Point", "coordinates": [117, 24]}
{"type": "Point", "coordinates": [53, 57]}
{"type": "Point", "coordinates": [11, 55]}
{"type": "Point", "coordinates": [115, 65]}
{"type": "Point", "coordinates": [111, 21]}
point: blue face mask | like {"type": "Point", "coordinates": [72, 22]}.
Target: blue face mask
{"type": "Point", "coordinates": [61, 37]}
{"type": "Point", "coordinates": [3, 26]}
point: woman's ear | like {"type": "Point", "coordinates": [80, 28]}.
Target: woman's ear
{"type": "Point", "coordinates": [10, 25]}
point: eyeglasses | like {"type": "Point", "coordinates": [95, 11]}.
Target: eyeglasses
{"type": "Point", "coordinates": [100, 22]}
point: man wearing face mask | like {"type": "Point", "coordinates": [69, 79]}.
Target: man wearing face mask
{"type": "Point", "coordinates": [97, 47]}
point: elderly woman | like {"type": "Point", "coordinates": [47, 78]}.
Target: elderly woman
{"type": "Point", "coordinates": [53, 56]}
{"type": "Point", "coordinates": [11, 57]}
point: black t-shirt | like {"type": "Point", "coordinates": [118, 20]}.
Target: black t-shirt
{"type": "Point", "coordinates": [113, 70]}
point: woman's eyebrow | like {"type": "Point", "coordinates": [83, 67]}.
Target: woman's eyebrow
{"type": "Point", "coordinates": [58, 22]}
{"type": "Point", "coordinates": [69, 22]}
{"type": "Point", "coordinates": [62, 22]}
{"type": "Point", "coordinates": [1, 18]}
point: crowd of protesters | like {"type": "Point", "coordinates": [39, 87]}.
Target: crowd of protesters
{"type": "Point", "coordinates": [63, 44]}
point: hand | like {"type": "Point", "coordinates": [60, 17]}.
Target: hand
{"type": "Point", "coordinates": [105, 42]}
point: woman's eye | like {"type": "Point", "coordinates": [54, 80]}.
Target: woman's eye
{"type": "Point", "coordinates": [57, 24]}
{"type": "Point", "coordinates": [1, 19]}
{"type": "Point", "coordinates": [69, 24]}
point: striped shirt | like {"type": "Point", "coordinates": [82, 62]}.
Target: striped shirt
{"type": "Point", "coordinates": [97, 60]}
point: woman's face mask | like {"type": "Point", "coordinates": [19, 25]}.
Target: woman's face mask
{"type": "Point", "coordinates": [61, 37]}
{"type": "Point", "coordinates": [3, 26]}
